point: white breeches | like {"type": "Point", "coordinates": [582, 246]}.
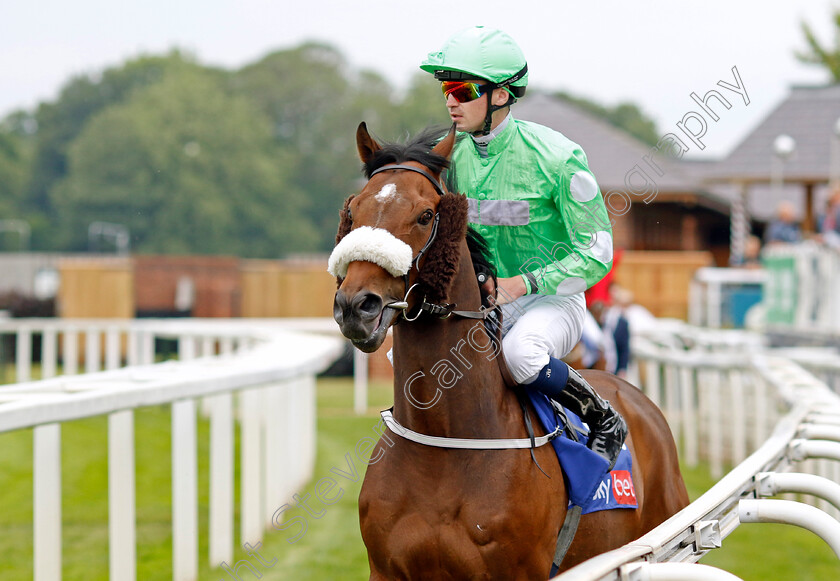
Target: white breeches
{"type": "Point", "coordinates": [536, 327]}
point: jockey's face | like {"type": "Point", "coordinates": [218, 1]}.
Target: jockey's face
{"type": "Point", "coordinates": [469, 116]}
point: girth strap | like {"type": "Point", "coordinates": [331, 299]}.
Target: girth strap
{"type": "Point", "coordinates": [565, 538]}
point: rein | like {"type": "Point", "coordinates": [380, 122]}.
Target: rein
{"type": "Point", "coordinates": [441, 311]}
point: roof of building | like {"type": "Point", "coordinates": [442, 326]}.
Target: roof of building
{"type": "Point", "coordinates": [809, 115]}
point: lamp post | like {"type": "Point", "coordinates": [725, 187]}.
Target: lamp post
{"type": "Point", "coordinates": [117, 232]}
{"type": "Point", "coordinates": [783, 148]}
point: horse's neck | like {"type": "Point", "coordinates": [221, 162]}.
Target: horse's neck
{"type": "Point", "coordinates": [446, 377]}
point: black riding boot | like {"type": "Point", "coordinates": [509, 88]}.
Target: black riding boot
{"type": "Point", "coordinates": [607, 429]}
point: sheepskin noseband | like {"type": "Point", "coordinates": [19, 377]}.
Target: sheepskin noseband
{"type": "Point", "coordinates": [375, 245]}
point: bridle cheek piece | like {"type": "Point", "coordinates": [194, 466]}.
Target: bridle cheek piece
{"type": "Point", "coordinates": [415, 262]}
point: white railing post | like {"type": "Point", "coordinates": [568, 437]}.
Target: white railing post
{"type": "Point", "coordinates": [113, 348]}
{"type": "Point", "coordinates": [184, 492]}
{"type": "Point", "coordinates": [23, 355]}
{"type": "Point", "coordinates": [652, 381]}
{"type": "Point", "coordinates": [47, 502]}
{"type": "Point", "coordinates": [713, 391]}
{"type": "Point", "coordinates": [49, 353]}
{"type": "Point", "coordinates": [147, 348]}
{"type": "Point", "coordinates": [187, 348]}
{"type": "Point", "coordinates": [122, 522]}
{"type": "Point", "coordinates": [70, 359]}
{"type": "Point", "coordinates": [312, 426]}
{"type": "Point", "coordinates": [671, 393]}
{"type": "Point", "coordinates": [691, 435]}
{"type": "Point", "coordinates": [92, 355]}
{"type": "Point", "coordinates": [221, 479]}
{"type": "Point", "coordinates": [273, 450]}
{"type": "Point", "coordinates": [251, 511]}
{"type": "Point", "coordinates": [133, 356]}
{"type": "Point", "coordinates": [739, 430]}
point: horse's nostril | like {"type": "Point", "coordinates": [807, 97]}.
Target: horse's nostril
{"type": "Point", "coordinates": [340, 305]}
{"type": "Point", "coordinates": [371, 305]}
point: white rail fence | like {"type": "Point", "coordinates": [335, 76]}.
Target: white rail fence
{"type": "Point", "coordinates": [252, 371]}
{"type": "Point", "coordinates": [731, 401]}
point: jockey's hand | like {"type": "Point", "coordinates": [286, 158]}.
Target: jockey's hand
{"type": "Point", "coordinates": [510, 289]}
{"type": "Point", "coordinates": [487, 284]}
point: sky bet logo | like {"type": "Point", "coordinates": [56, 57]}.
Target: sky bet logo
{"type": "Point", "coordinates": [621, 484]}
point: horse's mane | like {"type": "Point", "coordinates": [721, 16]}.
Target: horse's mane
{"type": "Point", "coordinates": [417, 149]}
{"type": "Point", "coordinates": [479, 249]}
{"type": "Point", "coordinates": [480, 254]}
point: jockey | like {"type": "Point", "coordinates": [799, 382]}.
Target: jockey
{"type": "Point", "coordinates": [533, 198]}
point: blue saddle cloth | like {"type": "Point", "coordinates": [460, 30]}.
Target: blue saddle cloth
{"type": "Point", "coordinates": [588, 483]}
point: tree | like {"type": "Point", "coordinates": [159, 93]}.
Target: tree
{"type": "Point", "coordinates": [827, 57]}
{"type": "Point", "coordinates": [15, 161]}
{"type": "Point", "coordinates": [423, 105]}
{"type": "Point", "coordinates": [310, 94]}
{"type": "Point", "coordinates": [60, 122]}
{"type": "Point", "coordinates": [188, 167]}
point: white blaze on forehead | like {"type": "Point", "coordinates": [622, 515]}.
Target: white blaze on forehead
{"type": "Point", "coordinates": [366, 244]}
{"type": "Point", "coordinates": [387, 193]}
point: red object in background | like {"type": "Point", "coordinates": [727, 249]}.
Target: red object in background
{"type": "Point", "coordinates": [600, 291]}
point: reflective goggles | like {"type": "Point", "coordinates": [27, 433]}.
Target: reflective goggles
{"type": "Point", "coordinates": [463, 92]}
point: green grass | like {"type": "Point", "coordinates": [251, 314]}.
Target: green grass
{"type": "Point", "coordinates": [331, 548]}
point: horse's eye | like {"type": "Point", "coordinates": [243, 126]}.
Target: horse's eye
{"type": "Point", "coordinates": [425, 217]}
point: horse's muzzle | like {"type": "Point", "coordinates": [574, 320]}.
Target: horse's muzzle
{"type": "Point", "coordinates": [363, 318]}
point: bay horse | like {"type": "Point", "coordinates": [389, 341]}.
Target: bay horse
{"type": "Point", "coordinates": [429, 512]}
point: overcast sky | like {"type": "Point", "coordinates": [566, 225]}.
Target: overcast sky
{"type": "Point", "coordinates": [653, 52]}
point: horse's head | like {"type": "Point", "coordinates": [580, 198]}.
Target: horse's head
{"type": "Point", "coordinates": [402, 229]}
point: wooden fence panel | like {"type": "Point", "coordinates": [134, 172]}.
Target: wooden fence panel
{"type": "Point", "coordinates": [273, 288]}
{"type": "Point", "coordinates": [96, 289]}
{"type": "Point", "coordinates": [660, 280]}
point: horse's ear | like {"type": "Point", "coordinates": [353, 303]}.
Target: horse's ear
{"type": "Point", "coordinates": [445, 145]}
{"type": "Point", "coordinates": [365, 143]}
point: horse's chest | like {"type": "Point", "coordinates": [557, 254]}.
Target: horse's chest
{"type": "Point", "coordinates": [451, 518]}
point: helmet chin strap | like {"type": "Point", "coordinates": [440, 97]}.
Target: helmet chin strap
{"type": "Point", "coordinates": [491, 108]}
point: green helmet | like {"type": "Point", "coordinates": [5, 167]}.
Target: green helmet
{"type": "Point", "coordinates": [484, 53]}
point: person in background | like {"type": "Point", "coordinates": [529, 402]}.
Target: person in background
{"type": "Point", "coordinates": [830, 223]}
{"type": "Point", "coordinates": [616, 327]}
{"type": "Point", "coordinates": [784, 228]}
